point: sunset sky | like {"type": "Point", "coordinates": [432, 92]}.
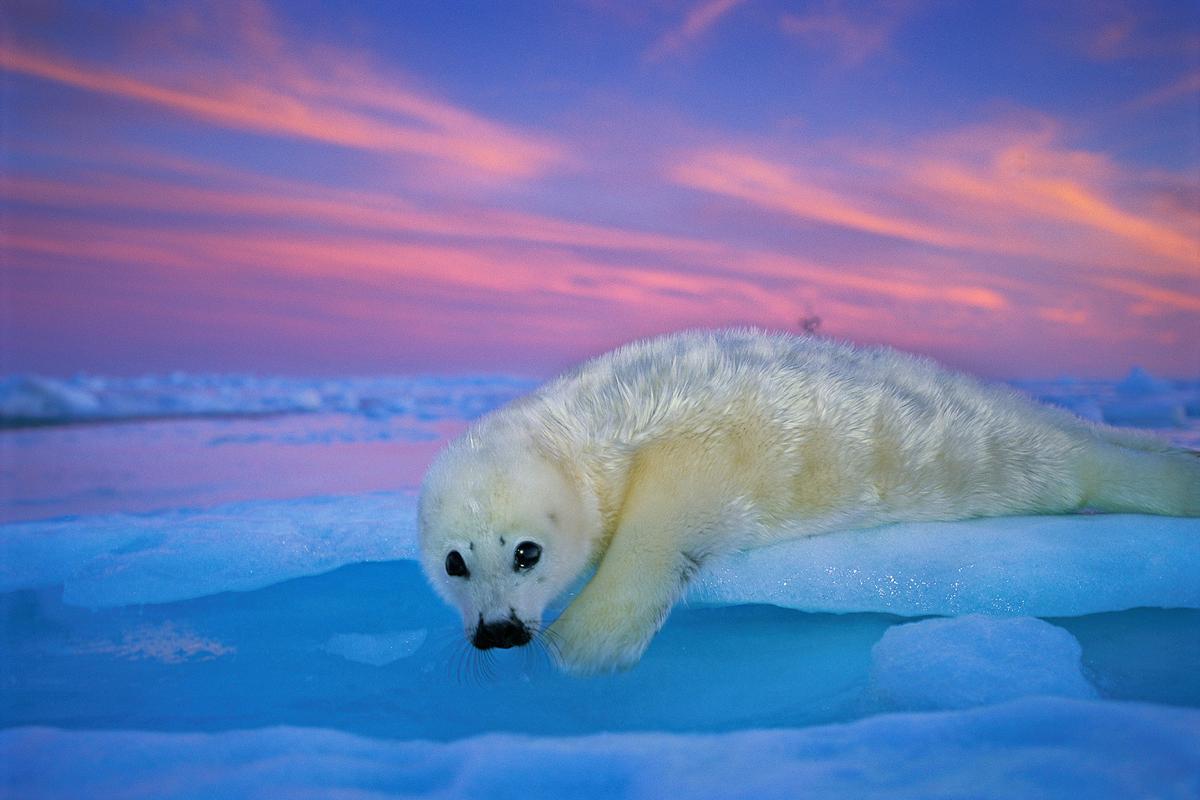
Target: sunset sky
{"type": "Point", "coordinates": [334, 188]}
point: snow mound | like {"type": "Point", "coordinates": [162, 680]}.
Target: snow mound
{"type": "Point", "coordinates": [1044, 747]}
{"type": "Point", "coordinates": [35, 400]}
{"type": "Point", "coordinates": [1011, 566]}
{"type": "Point", "coordinates": [122, 559]}
{"type": "Point", "coordinates": [975, 660]}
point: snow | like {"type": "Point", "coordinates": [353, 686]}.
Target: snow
{"type": "Point", "coordinates": [975, 660]}
{"type": "Point", "coordinates": [229, 605]}
{"type": "Point", "coordinates": [1043, 747]}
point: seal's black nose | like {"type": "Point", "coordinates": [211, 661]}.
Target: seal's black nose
{"type": "Point", "coordinates": [505, 633]}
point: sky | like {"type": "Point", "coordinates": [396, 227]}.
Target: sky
{"type": "Point", "coordinates": [376, 187]}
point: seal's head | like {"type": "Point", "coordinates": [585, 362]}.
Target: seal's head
{"type": "Point", "coordinates": [503, 531]}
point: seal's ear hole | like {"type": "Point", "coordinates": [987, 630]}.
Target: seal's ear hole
{"type": "Point", "coordinates": [455, 566]}
{"type": "Point", "coordinates": [526, 555]}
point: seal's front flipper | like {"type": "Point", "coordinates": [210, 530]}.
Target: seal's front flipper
{"type": "Point", "coordinates": [611, 622]}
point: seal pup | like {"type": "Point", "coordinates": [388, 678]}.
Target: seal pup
{"type": "Point", "coordinates": [646, 461]}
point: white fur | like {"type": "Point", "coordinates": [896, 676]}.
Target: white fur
{"type": "Point", "coordinates": [647, 460]}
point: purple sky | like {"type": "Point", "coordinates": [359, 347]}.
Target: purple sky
{"type": "Point", "coordinates": [327, 188]}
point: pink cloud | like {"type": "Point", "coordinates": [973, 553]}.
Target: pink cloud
{"type": "Point", "coordinates": [987, 189]}
{"type": "Point", "coordinates": [338, 102]}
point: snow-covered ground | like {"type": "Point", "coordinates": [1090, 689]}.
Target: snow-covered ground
{"type": "Point", "coordinates": [213, 594]}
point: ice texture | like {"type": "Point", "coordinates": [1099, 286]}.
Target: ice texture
{"type": "Point", "coordinates": [975, 660]}
{"type": "Point", "coordinates": [36, 400]}
{"type": "Point", "coordinates": [1043, 747]}
{"type": "Point", "coordinates": [1015, 566]}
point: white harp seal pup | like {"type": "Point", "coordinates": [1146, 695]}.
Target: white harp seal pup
{"type": "Point", "coordinates": [645, 462]}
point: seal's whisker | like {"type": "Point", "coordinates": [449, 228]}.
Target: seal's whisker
{"type": "Point", "coordinates": [548, 640]}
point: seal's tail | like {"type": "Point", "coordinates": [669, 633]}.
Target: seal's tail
{"type": "Point", "coordinates": [1121, 478]}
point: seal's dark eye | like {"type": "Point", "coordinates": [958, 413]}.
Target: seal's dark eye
{"type": "Point", "coordinates": [455, 565]}
{"type": "Point", "coordinates": [526, 555]}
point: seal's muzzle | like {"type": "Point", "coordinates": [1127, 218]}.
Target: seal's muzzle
{"type": "Point", "coordinates": [505, 633]}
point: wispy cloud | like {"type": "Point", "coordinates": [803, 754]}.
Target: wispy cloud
{"type": "Point", "coordinates": [327, 97]}
{"type": "Point", "coordinates": [699, 19]}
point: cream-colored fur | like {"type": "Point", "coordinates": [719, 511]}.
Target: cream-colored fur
{"type": "Point", "coordinates": [648, 460]}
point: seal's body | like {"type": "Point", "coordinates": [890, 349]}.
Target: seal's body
{"type": "Point", "coordinates": [646, 461]}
